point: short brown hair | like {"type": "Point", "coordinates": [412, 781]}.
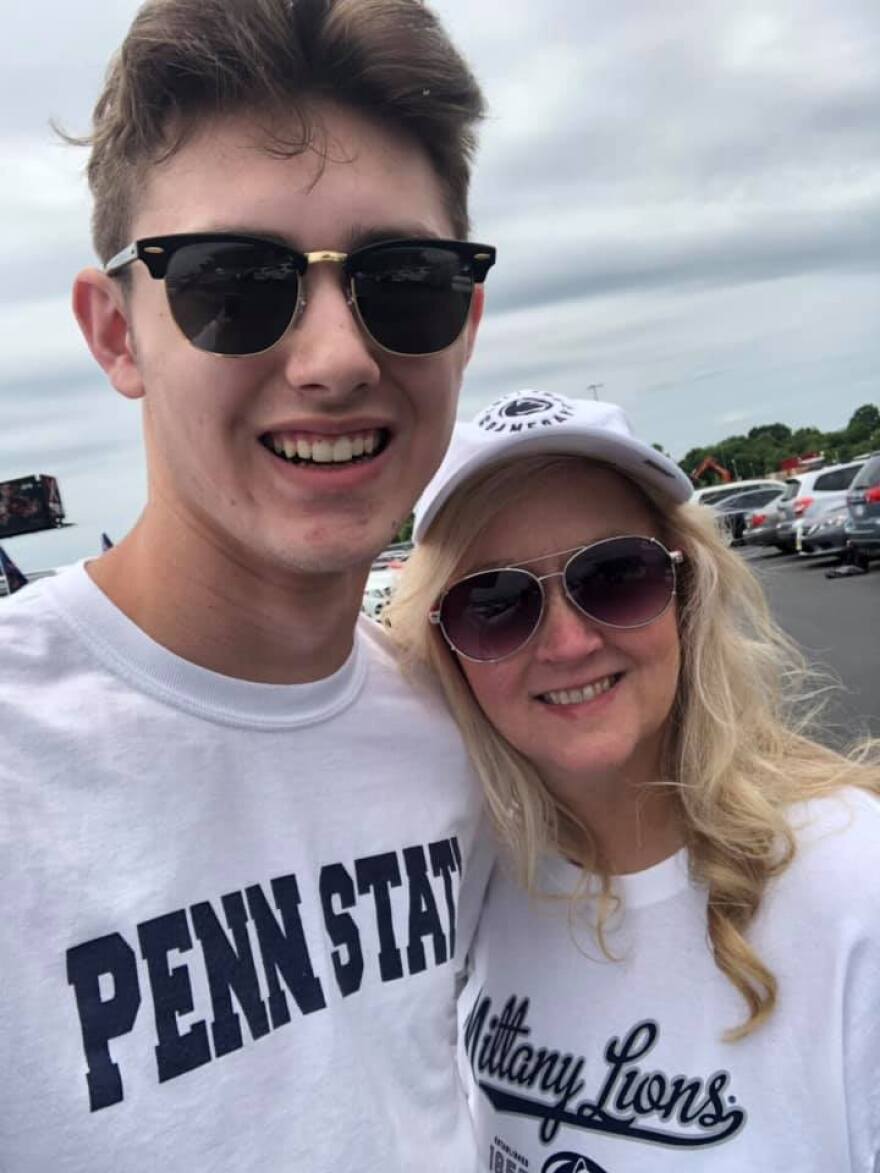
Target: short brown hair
{"type": "Point", "coordinates": [187, 61]}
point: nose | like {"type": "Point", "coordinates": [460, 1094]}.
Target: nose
{"type": "Point", "coordinates": [565, 632]}
{"type": "Point", "coordinates": [327, 355]}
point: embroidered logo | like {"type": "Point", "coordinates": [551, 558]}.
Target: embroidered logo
{"type": "Point", "coordinates": [520, 413]}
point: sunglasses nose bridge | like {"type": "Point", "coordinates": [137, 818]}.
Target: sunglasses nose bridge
{"type": "Point", "coordinates": [324, 257]}
{"type": "Point", "coordinates": [565, 630]}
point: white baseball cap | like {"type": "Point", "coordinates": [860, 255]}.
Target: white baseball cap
{"type": "Point", "coordinates": [523, 423]}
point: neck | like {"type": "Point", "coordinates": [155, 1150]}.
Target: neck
{"type": "Point", "coordinates": [636, 822]}
{"type": "Point", "coordinates": [223, 613]}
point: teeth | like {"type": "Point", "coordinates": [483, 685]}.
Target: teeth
{"type": "Point", "coordinates": [575, 696]}
{"type": "Point", "coordinates": [342, 450]}
{"type": "Point", "coordinates": [326, 449]}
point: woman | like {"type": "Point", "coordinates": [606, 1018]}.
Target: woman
{"type": "Point", "coordinates": [685, 973]}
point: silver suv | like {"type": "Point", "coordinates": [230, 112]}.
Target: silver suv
{"type": "Point", "coordinates": [817, 492]}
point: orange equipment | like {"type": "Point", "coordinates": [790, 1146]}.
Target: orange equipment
{"type": "Point", "coordinates": [711, 463]}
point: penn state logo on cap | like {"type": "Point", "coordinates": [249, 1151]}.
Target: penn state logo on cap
{"type": "Point", "coordinates": [522, 412]}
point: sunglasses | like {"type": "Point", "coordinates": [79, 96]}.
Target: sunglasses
{"type": "Point", "coordinates": [623, 583]}
{"type": "Point", "coordinates": [239, 295]}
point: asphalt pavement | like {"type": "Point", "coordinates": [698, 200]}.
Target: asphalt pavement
{"type": "Point", "coordinates": [837, 624]}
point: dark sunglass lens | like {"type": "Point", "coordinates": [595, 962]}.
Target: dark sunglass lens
{"type": "Point", "coordinates": [624, 582]}
{"type": "Point", "coordinates": [491, 615]}
{"type": "Point", "coordinates": [413, 299]}
{"type": "Point", "coordinates": [231, 297]}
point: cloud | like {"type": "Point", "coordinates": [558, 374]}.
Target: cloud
{"type": "Point", "coordinates": [685, 199]}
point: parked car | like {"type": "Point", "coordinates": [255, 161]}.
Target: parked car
{"type": "Point", "coordinates": [863, 506]}
{"type": "Point", "coordinates": [818, 492]}
{"type": "Point", "coordinates": [761, 526]}
{"type": "Point", "coordinates": [715, 494]}
{"type": "Point", "coordinates": [734, 513]}
{"type": "Point", "coordinates": [398, 552]}
{"type": "Point", "coordinates": [377, 593]}
{"type": "Point", "coordinates": [827, 536]}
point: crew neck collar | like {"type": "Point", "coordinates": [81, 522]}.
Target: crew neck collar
{"type": "Point", "coordinates": [662, 881]}
{"type": "Point", "coordinates": [146, 665]}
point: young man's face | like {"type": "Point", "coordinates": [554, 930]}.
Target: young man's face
{"type": "Point", "coordinates": [211, 421]}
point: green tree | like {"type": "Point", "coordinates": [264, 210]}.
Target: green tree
{"type": "Point", "coordinates": [864, 421]}
{"type": "Point", "coordinates": [404, 534]}
{"type": "Point", "coordinates": [779, 433]}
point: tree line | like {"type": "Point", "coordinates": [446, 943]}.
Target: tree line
{"type": "Point", "coordinates": [764, 448]}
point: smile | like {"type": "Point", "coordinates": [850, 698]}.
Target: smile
{"type": "Point", "coordinates": [306, 448]}
{"type": "Point", "coordinates": [577, 696]}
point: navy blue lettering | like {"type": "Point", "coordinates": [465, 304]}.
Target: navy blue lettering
{"type": "Point", "coordinates": [456, 851]}
{"type": "Point", "coordinates": [423, 918]}
{"type": "Point", "coordinates": [230, 967]}
{"type": "Point", "coordinates": [172, 996]}
{"type": "Point", "coordinates": [284, 950]}
{"type": "Point", "coordinates": [342, 930]}
{"type": "Point", "coordinates": [378, 874]}
{"type": "Point", "coordinates": [443, 863]}
{"type": "Point", "coordinates": [103, 1019]}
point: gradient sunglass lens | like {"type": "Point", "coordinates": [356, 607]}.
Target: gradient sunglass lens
{"type": "Point", "coordinates": [232, 297]}
{"type": "Point", "coordinates": [625, 582]}
{"type": "Point", "coordinates": [490, 615]}
{"type": "Point", "coordinates": [412, 298]}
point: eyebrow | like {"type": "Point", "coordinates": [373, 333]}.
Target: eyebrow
{"type": "Point", "coordinates": [358, 236]}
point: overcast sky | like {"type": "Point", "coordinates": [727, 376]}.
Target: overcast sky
{"type": "Point", "coordinates": [685, 200]}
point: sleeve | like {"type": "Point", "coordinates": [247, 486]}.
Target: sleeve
{"type": "Point", "coordinates": [861, 1011]}
{"type": "Point", "coordinates": [477, 868]}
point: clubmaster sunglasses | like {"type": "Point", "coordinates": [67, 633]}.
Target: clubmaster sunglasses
{"type": "Point", "coordinates": [624, 583]}
{"type": "Point", "coordinates": [239, 295]}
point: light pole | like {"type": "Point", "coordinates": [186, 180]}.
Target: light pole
{"type": "Point", "coordinates": [594, 387]}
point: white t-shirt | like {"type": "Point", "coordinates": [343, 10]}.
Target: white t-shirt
{"type": "Point", "coordinates": [578, 1064]}
{"type": "Point", "coordinates": [233, 913]}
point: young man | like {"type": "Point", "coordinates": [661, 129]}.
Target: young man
{"type": "Point", "coordinates": [238, 848]}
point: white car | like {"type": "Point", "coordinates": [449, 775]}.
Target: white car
{"type": "Point", "coordinates": [378, 590]}
{"type": "Point", "coordinates": [715, 494]}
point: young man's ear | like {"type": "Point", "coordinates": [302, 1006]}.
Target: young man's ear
{"type": "Point", "coordinates": [474, 318]}
{"type": "Point", "coordinates": [100, 308]}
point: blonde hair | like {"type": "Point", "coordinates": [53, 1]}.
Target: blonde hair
{"type": "Point", "coordinates": [737, 753]}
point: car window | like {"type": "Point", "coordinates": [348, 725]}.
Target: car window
{"type": "Point", "coordinates": [868, 475]}
{"type": "Point", "coordinates": [837, 479]}
{"type": "Point", "coordinates": [752, 498]}
{"type": "Point", "coordinates": [792, 488]}
{"type": "Point", "coordinates": [716, 496]}
{"type": "Point", "coordinates": [765, 496]}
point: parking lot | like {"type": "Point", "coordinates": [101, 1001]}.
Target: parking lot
{"type": "Point", "coordinates": [835, 621]}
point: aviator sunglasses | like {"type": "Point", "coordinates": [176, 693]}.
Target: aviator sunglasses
{"type": "Point", "coordinates": [238, 295]}
{"type": "Point", "coordinates": [624, 583]}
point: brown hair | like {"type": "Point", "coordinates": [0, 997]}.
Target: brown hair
{"type": "Point", "coordinates": [186, 61]}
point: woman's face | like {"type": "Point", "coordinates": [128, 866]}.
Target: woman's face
{"type": "Point", "coordinates": [615, 737]}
